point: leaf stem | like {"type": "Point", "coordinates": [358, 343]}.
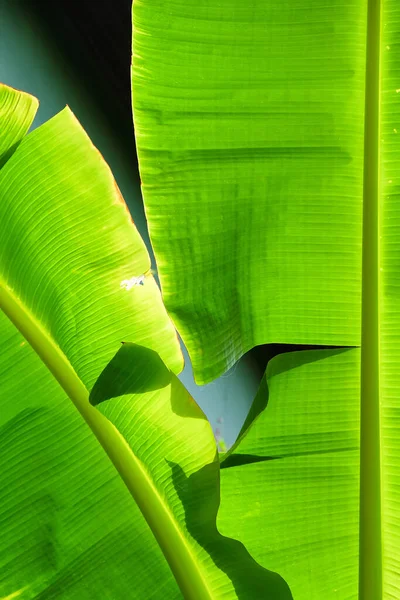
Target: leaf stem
{"type": "Point", "coordinates": [186, 569]}
{"type": "Point", "coordinates": [370, 569]}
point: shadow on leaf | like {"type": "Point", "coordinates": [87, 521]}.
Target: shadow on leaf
{"type": "Point", "coordinates": [134, 369]}
{"type": "Point", "coordinates": [249, 578]}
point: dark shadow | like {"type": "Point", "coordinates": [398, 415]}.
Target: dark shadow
{"type": "Point", "coordinates": [95, 39]}
{"type": "Point", "coordinates": [134, 369]}
{"type": "Point", "coordinates": [8, 153]}
{"type": "Point", "coordinates": [199, 494]}
{"type": "Point", "coordinates": [182, 402]}
{"type": "Point", "coordinates": [304, 354]}
{"type": "Point", "coordinates": [235, 460]}
{"type": "Point", "coordinates": [261, 355]}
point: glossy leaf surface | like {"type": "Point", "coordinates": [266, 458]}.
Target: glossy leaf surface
{"type": "Point", "coordinates": [75, 282]}
{"type": "Point", "coordinates": [249, 124]}
{"type": "Point", "coordinates": [269, 154]}
{"type": "Point", "coordinates": [290, 488]}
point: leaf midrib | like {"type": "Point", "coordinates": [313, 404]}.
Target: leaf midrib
{"type": "Point", "coordinates": [155, 510]}
{"type": "Point", "coordinates": [370, 556]}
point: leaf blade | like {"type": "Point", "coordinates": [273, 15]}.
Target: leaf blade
{"type": "Point", "coordinates": [179, 448]}
{"type": "Point", "coordinates": [250, 136]}
{"type": "Point", "coordinates": [300, 498]}
{"type": "Point", "coordinates": [42, 284]}
{"type": "Point", "coordinates": [69, 527]}
{"type": "Point", "coordinates": [17, 113]}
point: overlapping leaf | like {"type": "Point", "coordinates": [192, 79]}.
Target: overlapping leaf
{"type": "Point", "coordinates": [75, 283]}
{"type": "Point", "coordinates": [290, 489]}
{"type": "Point", "coordinates": [69, 527]}
{"type": "Point", "coordinates": [17, 111]}
{"type": "Point", "coordinates": [254, 124]}
{"type": "Point", "coordinates": [249, 127]}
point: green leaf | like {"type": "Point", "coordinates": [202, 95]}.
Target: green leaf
{"type": "Point", "coordinates": [173, 441]}
{"type": "Point", "coordinates": [249, 127]}
{"type": "Point", "coordinates": [17, 111]}
{"type": "Point", "coordinates": [69, 527]}
{"type": "Point", "coordinates": [68, 245]}
{"type": "Point", "coordinates": [72, 530]}
{"type": "Point", "coordinates": [290, 489]}
{"type": "Point", "coordinates": [268, 139]}
{"type": "Point", "coordinates": [67, 242]}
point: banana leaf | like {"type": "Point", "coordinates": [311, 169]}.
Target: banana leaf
{"type": "Point", "coordinates": [290, 486]}
{"type": "Point", "coordinates": [249, 127]}
{"type": "Point", "coordinates": [99, 439]}
{"type": "Point", "coordinates": [268, 143]}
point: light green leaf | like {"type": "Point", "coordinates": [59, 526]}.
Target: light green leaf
{"type": "Point", "coordinates": [75, 282]}
{"type": "Point", "coordinates": [67, 242]}
{"type": "Point", "coordinates": [268, 139]}
{"type": "Point", "coordinates": [68, 247]}
{"type": "Point", "coordinates": [249, 127]}
{"type": "Point", "coordinates": [173, 442]}
{"type": "Point", "coordinates": [290, 489]}
{"type": "Point", "coordinates": [17, 111]}
{"type": "Point", "coordinates": [69, 527]}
